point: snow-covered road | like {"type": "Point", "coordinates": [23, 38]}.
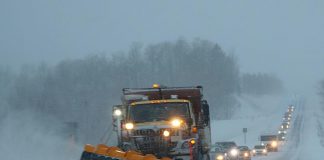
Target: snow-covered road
{"type": "Point", "coordinates": [291, 149]}
{"type": "Point", "coordinates": [304, 141]}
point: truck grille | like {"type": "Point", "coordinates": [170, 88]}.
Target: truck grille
{"type": "Point", "coordinates": [151, 132]}
{"type": "Point", "coordinates": [149, 141]}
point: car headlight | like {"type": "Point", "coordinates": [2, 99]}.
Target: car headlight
{"type": "Point", "coordinates": [254, 151]}
{"type": "Point", "coordinates": [129, 126]}
{"type": "Point", "coordinates": [264, 151]}
{"type": "Point", "coordinates": [246, 154]}
{"type": "Point", "coordinates": [274, 144]}
{"type": "Point", "coordinates": [219, 157]}
{"type": "Point", "coordinates": [279, 132]}
{"type": "Point", "coordinates": [234, 152]}
{"type": "Point", "coordinates": [166, 133]}
{"type": "Point", "coordinates": [176, 123]}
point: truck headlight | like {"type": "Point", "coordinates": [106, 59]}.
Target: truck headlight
{"type": "Point", "coordinates": [234, 152]}
{"type": "Point", "coordinates": [176, 123]}
{"type": "Point", "coordinates": [274, 144]}
{"type": "Point", "coordinates": [219, 157]}
{"type": "Point", "coordinates": [129, 126]}
{"type": "Point", "coordinates": [166, 133]}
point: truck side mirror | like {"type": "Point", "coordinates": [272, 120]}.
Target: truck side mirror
{"type": "Point", "coordinates": [205, 108]}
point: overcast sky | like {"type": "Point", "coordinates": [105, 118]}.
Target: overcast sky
{"type": "Point", "coordinates": [281, 37]}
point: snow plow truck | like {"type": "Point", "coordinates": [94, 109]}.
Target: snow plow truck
{"type": "Point", "coordinates": [160, 123]}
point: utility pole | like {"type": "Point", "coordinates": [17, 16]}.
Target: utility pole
{"type": "Point", "coordinates": [244, 132]}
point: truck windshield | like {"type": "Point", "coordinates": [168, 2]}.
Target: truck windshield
{"type": "Point", "coordinates": [158, 112]}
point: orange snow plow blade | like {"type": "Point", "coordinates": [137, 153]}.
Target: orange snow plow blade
{"type": "Point", "coordinates": [103, 152]}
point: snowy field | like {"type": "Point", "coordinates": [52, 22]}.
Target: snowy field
{"type": "Point", "coordinates": [24, 137]}
{"type": "Point", "coordinates": [258, 115]}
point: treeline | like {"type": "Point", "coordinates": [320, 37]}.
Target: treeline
{"type": "Point", "coordinates": [321, 92]}
{"type": "Point", "coordinates": [82, 91]}
{"type": "Point", "coordinates": [6, 78]}
{"type": "Point", "coordinates": [260, 84]}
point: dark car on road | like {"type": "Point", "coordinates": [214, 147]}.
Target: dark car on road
{"type": "Point", "coordinates": [291, 108]}
{"type": "Point", "coordinates": [230, 148]}
{"type": "Point", "coordinates": [282, 131]}
{"type": "Point", "coordinates": [245, 153]}
{"type": "Point", "coordinates": [287, 115]}
{"type": "Point", "coordinates": [260, 150]}
{"type": "Point", "coordinates": [281, 136]}
{"type": "Point", "coordinates": [218, 153]}
{"type": "Point", "coordinates": [284, 125]}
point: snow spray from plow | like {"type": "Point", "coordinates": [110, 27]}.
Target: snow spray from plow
{"type": "Point", "coordinates": [103, 152]}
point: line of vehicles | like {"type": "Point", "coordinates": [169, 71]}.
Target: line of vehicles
{"type": "Point", "coordinates": [229, 150]}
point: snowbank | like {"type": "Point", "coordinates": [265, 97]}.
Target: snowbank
{"type": "Point", "coordinates": [23, 136]}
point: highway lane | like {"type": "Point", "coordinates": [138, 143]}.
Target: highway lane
{"type": "Point", "coordinates": [304, 140]}
{"type": "Point", "coordinates": [291, 149]}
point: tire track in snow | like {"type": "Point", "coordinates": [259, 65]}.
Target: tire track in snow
{"type": "Point", "coordinates": [294, 141]}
